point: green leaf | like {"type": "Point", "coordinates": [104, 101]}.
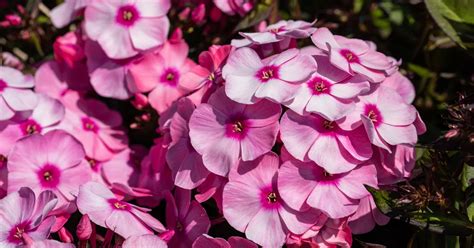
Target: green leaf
{"type": "Point", "coordinates": [455, 18]}
{"type": "Point", "coordinates": [466, 176]}
{"type": "Point", "coordinates": [259, 13]}
{"type": "Point", "coordinates": [381, 198]}
{"type": "Point", "coordinates": [470, 211]}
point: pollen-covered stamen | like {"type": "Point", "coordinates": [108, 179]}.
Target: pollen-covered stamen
{"type": "Point", "coordinates": [372, 116]}
{"type": "Point", "coordinates": [320, 87]}
{"type": "Point", "coordinates": [19, 233]}
{"type": "Point", "coordinates": [89, 125]}
{"type": "Point", "coordinates": [211, 77]}
{"type": "Point", "coordinates": [119, 205]}
{"type": "Point", "coordinates": [327, 174]}
{"type": "Point", "coordinates": [170, 77]}
{"type": "Point", "coordinates": [179, 226]}
{"type": "Point", "coordinates": [48, 176]}
{"type": "Point", "coordinates": [267, 73]}
{"type": "Point", "coordinates": [272, 197]}
{"type": "Point", "coordinates": [3, 158]}
{"type": "Point", "coordinates": [237, 127]}
{"type": "Point", "coordinates": [328, 125]}
{"type": "Point", "coordinates": [127, 15]}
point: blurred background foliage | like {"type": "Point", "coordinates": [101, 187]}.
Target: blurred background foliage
{"type": "Point", "coordinates": [435, 41]}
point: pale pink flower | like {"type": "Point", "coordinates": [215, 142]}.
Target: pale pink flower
{"type": "Point", "coordinates": [366, 216]}
{"type": "Point", "coordinates": [329, 233]}
{"type": "Point", "coordinates": [353, 56]}
{"type": "Point", "coordinates": [122, 171]}
{"type": "Point", "coordinates": [277, 32]}
{"type": "Point", "coordinates": [387, 118]}
{"type": "Point", "coordinates": [253, 205]}
{"type": "Point", "coordinates": [206, 241]}
{"type": "Point", "coordinates": [109, 77]}
{"type": "Point", "coordinates": [185, 163]}
{"type": "Point", "coordinates": [54, 161]}
{"type": "Point", "coordinates": [56, 80]}
{"type": "Point", "coordinates": [232, 7]}
{"type": "Point", "coordinates": [96, 126]}
{"type": "Point", "coordinates": [212, 187]}
{"type": "Point", "coordinates": [22, 213]}
{"type": "Point", "coordinates": [336, 195]}
{"type": "Point", "coordinates": [187, 218]}
{"type": "Point", "coordinates": [147, 240]}
{"type": "Point", "coordinates": [11, 60]}
{"type": "Point", "coordinates": [69, 48]}
{"type": "Point", "coordinates": [312, 137]}
{"type": "Point", "coordinates": [47, 114]}
{"type": "Point", "coordinates": [15, 93]}
{"type": "Point", "coordinates": [224, 131]}
{"type": "Point", "coordinates": [206, 77]}
{"type": "Point", "coordinates": [104, 209]}
{"type": "Point", "coordinates": [49, 243]}
{"type": "Point", "coordinates": [329, 92]}
{"type": "Point", "coordinates": [161, 73]}
{"type": "Point", "coordinates": [64, 13]}
{"type": "Point", "coordinates": [249, 79]}
{"type": "Point", "coordinates": [155, 174]}
{"type": "Point", "coordinates": [395, 165]}
{"type": "Point", "coordinates": [125, 28]}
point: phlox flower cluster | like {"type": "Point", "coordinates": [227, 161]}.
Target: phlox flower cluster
{"type": "Point", "coordinates": [281, 131]}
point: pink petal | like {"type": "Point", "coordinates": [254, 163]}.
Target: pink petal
{"type": "Point", "coordinates": [266, 229]}
{"type": "Point", "coordinates": [242, 62]}
{"type": "Point", "coordinates": [242, 88]}
{"type": "Point", "coordinates": [153, 9]}
{"type": "Point", "coordinates": [298, 222]}
{"type": "Point", "coordinates": [372, 76]}
{"type": "Point", "coordinates": [372, 133]}
{"type": "Point", "coordinates": [147, 33]}
{"type": "Point", "coordinates": [116, 42]}
{"type": "Point", "coordinates": [109, 80]}
{"type": "Point", "coordinates": [19, 99]}
{"type": "Point", "coordinates": [395, 135]}
{"type": "Point", "coordinates": [125, 224]}
{"type": "Point", "coordinates": [6, 112]}
{"type": "Point", "coordinates": [353, 183]}
{"type": "Point", "coordinates": [48, 111]}
{"type": "Point", "coordinates": [258, 141]}
{"type": "Point", "coordinates": [63, 149]}
{"type": "Point", "coordinates": [338, 162]}
{"type": "Point", "coordinates": [196, 221]}
{"type": "Point", "coordinates": [322, 37]}
{"type": "Point", "coordinates": [295, 182]}
{"type": "Point", "coordinates": [92, 200]}
{"type": "Point", "coordinates": [329, 107]}
{"type": "Point", "coordinates": [393, 107]}
{"type": "Point", "coordinates": [277, 90]}
{"type": "Point", "coordinates": [336, 205]}
{"type": "Point", "coordinates": [147, 219]}
{"type": "Point", "coordinates": [147, 240]}
{"type": "Point", "coordinates": [297, 69]}
{"type": "Point", "coordinates": [297, 133]}
{"type": "Point", "coordinates": [241, 202]}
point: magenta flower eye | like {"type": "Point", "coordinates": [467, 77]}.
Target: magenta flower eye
{"type": "Point", "coordinates": [267, 73]}
{"type": "Point", "coordinates": [350, 56]}
{"type": "Point", "coordinates": [272, 197]}
{"type": "Point", "coordinates": [49, 176]}
{"type": "Point", "coordinates": [127, 15]}
{"type": "Point", "coordinates": [30, 127]}
{"type": "Point", "coordinates": [3, 85]}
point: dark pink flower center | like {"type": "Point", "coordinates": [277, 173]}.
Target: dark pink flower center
{"type": "Point", "coordinates": [276, 30]}
{"type": "Point", "coordinates": [119, 205]}
{"type": "Point", "coordinates": [94, 164]}
{"type": "Point", "coordinates": [350, 56]}
{"type": "Point", "coordinates": [3, 85]}
{"type": "Point", "coordinates": [30, 127]}
{"type": "Point", "coordinates": [267, 73]}
{"type": "Point", "coordinates": [127, 15]}
{"type": "Point", "coordinates": [49, 176]}
{"type": "Point", "coordinates": [3, 160]}
{"type": "Point", "coordinates": [89, 125]}
{"type": "Point", "coordinates": [170, 77]}
{"type": "Point", "coordinates": [269, 198]}
{"type": "Point", "coordinates": [326, 127]}
{"type": "Point", "coordinates": [373, 113]}
{"type": "Point", "coordinates": [236, 128]}
{"type": "Point", "coordinates": [16, 233]}
{"type": "Point", "coordinates": [318, 86]}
